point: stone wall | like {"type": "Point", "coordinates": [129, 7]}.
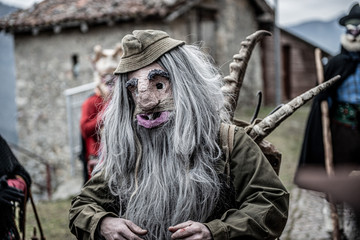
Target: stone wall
{"type": "Point", "coordinates": [237, 20]}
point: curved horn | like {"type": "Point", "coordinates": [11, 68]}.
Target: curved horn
{"type": "Point", "coordinates": [98, 53]}
{"type": "Point", "coordinates": [233, 82]}
{"type": "Point", "coordinates": [118, 50]}
{"type": "Point", "coordinates": [269, 123]}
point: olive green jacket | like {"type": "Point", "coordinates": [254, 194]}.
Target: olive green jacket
{"type": "Point", "coordinates": [261, 198]}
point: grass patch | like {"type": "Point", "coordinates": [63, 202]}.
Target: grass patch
{"type": "Point", "coordinates": [53, 217]}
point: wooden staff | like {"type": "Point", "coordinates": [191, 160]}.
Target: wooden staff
{"type": "Point", "coordinates": [328, 153]}
{"type": "Point", "coordinates": [36, 216]}
{"type": "Point", "coordinates": [262, 129]}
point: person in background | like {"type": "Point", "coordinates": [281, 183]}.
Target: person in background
{"type": "Point", "coordinates": [344, 109]}
{"type": "Point", "coordinates": [104, 63]}
{"type": "Point", "coordinates": [15, 183]}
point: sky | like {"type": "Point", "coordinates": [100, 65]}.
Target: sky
{"type": "Point", "coordinates": [20, 3]}
{"type": "Point", "coordinates": [291, 12]}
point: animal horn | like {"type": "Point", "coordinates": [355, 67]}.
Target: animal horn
{"type": "Point", "coordinates": [98, 53]}
{"type": "Point", "coordinates": [118, 50]}
{"type": "Point", "coordinates": [262, 129]}
{"type": "Point", "coordinates": [233, 82]}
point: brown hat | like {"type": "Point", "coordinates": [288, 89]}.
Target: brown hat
{"type": "Point", "coordinates": [143, 47]}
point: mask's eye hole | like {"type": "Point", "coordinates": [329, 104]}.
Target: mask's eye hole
{"type": "Point", "coordinates": [160, 85]}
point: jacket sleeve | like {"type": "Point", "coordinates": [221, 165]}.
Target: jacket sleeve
{"type": "Point", "coordinates": [89, 117]}
{"type": "Point", "coordinates": [88, 208]}
{"type": "Point", "coordinates": [261, 197]}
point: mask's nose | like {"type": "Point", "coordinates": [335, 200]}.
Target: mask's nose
{"type": "Point", "coordinates": [146, 98]}
{"type": "Point", "coordinates": [354, 32]}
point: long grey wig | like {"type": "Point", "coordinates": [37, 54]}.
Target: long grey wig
{"type": "Point", "coordinates": [167, 175]}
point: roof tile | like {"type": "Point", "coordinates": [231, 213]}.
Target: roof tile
{"type": "Point", "coordinates": [49, 13]}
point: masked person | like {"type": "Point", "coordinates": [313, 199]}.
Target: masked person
{"type": "Point", "coordinates": [15, 183]}
{"type": "Point", "coordinates": [344, 107]}
{"type": "Point", "coordinates": [162, 171]}
{"type": "Point", "coordinates": [104, 63]}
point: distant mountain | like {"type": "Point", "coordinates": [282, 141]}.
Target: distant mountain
{"type": "Point", "coordinates": [325, 34]}
{"type": "Point", "coordinates": [5, 9]}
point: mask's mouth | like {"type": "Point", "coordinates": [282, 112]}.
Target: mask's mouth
{"type": "Point", "coordinates": [151, 120]}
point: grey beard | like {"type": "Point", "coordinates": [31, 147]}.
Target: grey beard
{"type": "Point", "coordinates": [171, 188]}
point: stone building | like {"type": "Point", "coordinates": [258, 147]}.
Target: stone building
{"type": "Point", "coordinates": [55, 38]}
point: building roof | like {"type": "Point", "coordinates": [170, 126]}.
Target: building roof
{"type": "Point", "coordinates": [58, 14]}
{"type": "Point", "coordinates": [306, 41]}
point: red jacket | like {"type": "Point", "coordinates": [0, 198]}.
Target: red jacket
{"type": "Point", "coordinates": [90, 123]}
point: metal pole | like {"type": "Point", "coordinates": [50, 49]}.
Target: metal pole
{"type": "Point", "coordinates": [277, 48]}
{"type": "Point", "coordinates": [69, 122]}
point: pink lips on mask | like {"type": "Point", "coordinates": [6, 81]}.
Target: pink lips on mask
{"type": "Point", "coordinates": [148, 120]}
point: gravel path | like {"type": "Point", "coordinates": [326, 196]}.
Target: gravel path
{"type": "Point", "coordinates": [306, 218]}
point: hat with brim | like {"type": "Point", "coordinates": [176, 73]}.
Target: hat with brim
{"type": "Point", "coordinates": [353, 14]}
{"type": "Point", "coordinates": [143, 47]}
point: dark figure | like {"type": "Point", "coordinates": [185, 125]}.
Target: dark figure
{"type": "Point", "coordinates": [90, 132]}
{"type": "Point", "coordinates": [15, 183]}
{"type": "Point", "coordinates": [104, 63]}
{"type": "Point", "coordinates": [344, 107]}
{"type": "Point", "coordinates": [344, 102]}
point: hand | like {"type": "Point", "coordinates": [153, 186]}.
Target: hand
{"type": "Point", "coordinates": [9, 194]}
{"type": "Point", "coordinates": [118, 229]}
{"type": "Point", "coordinates": [191, 231]}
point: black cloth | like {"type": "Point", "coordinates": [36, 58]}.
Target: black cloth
{"type": "Point", "coordinates": [82, 158]}
{"type": "Point", "coordinates": [312, 153]}
{"type": "Point", "coordinates": [8, 194]}
{"type": "Point", "coordinates": [9, 168]}
{"type": "Point", "coordinates": [346, 142]}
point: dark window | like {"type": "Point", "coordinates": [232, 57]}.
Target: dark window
{"type": "Point", "coordinates": [286, 71]}
{"type": "Point", "coordinates": [75, 65]}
